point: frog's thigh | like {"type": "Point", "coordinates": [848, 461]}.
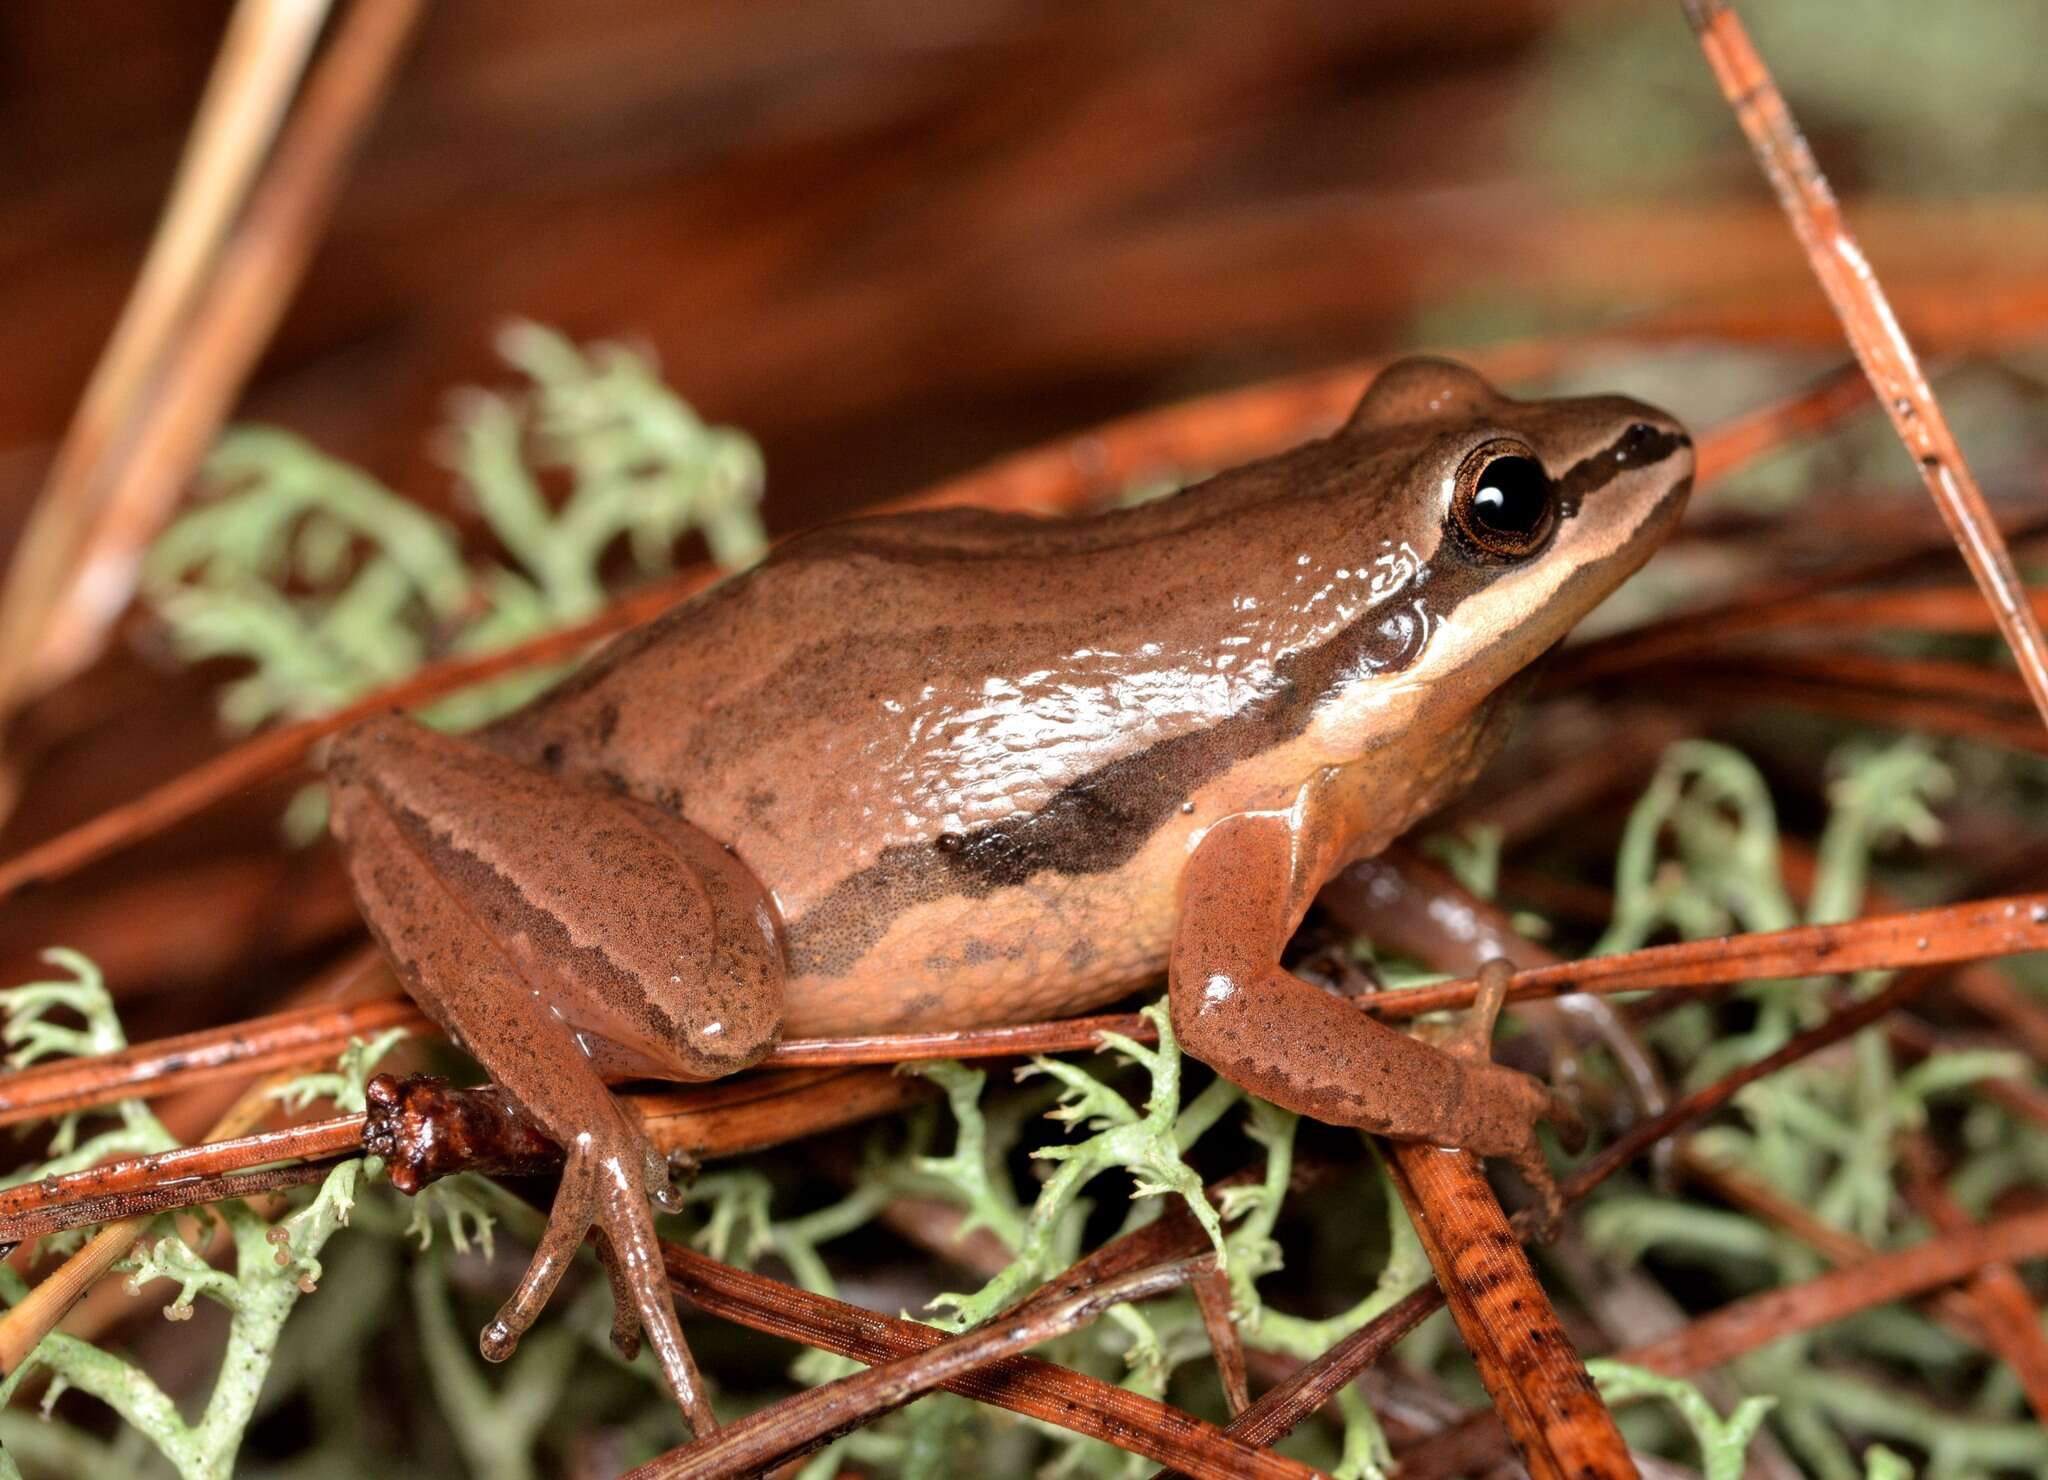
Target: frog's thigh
{"type": "Point", "coordinates": [520, 906]}
{"type": "Point", "coordinates": [1239, 1011]}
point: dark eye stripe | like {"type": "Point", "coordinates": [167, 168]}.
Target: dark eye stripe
{"type": "Point", "coordinates": [1640, 446]}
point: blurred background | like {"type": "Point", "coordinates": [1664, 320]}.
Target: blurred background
{"type": "Point", "coordinates": [892, 241]}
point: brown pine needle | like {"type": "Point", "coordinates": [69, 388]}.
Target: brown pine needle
{"type": "Point", "coordinates": [1872, 328]}
{"type": "Point", "coordinates": [2005, 1311]}
{"type": "Point", "coordinates": [174, 417]}
{"type": "Point", "coordinates": [171, 1065]}
{"type": "Point", "coordinates": [744, 1113]}
{"type": "Point", "coordinates": [24, 1209]}
{"type": "Point", "coordinates": [260, 58]}
{"type": "Point", "coordinates": [1949, 609]}
{"type": "Point", "coordinates": [1537, 1381]}
{"type": "Point", "coordinates": [1750, 435]}
{"type": "Point", "coordinates": [800, 1424]}
{"type": "Point", "coordinates": [1025, 1385]}
{"type": "Point", "coordinates": [1758, 1320]}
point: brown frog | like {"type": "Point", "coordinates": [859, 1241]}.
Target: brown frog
{"type": "Point", "coordinates": [959, 768]}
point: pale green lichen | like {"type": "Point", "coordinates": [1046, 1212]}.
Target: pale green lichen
{"type": "Point", "coordinates": [274, 1263]}
{"type": "Point", "coordinates": [1147, 1144]}
{"type": "Point", "coordinates": [31, 1036]}
{"type": "Point", "coordinates": [1723, 1442]}
{"type": "Point", "coordinates": [465, 1208]}
{"type": "Point", "coordinates": [496, 1425]}
{"type": "Point", "coordinates": [329, 585]}
{"type": "Point", "coordinates": [1822, 1133]}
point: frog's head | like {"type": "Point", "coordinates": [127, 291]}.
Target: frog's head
{"type": "Point", "coordinates": [1525, 513]}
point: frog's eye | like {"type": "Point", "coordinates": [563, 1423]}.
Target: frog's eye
{"type": "Point", "coordinates": [1504, 502]}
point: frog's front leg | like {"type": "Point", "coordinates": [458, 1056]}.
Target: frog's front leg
{"type": "Point", "coordinates": [1238, 1010]}
{"type": "Point", "coordinates": [558, 932]}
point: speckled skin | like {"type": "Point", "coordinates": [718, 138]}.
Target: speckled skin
{"type": "Point", "coordinates": [960, 768]}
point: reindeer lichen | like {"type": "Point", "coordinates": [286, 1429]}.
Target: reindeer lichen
{"type": "Point", "coordinates": [329, 585]}
{"type": "Point", "coordinates": [1723, 1442]}
{"type": "Point", "coordinates": [1821, 1133]}
{"type": "Point", "coordinates": [275, 1263]}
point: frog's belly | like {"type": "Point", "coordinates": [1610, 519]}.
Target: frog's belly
{"type": "Point", "coordinates": [1050, 947]}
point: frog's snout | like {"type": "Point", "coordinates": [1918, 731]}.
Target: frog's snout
{"type": "Point", "coordinates": [1647, 457]}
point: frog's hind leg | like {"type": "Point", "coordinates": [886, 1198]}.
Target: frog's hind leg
{"type": "Point", "coordinates": [556, 930]}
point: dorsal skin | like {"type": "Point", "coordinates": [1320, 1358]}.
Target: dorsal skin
{"type": "Point", "coordinates": [967, 753]}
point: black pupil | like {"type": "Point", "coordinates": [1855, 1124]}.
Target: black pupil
{"type": "Point", "coordinates": [1512, 496]}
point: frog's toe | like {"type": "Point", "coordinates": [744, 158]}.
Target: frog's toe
{"type": "Point", "coordinates": [661, 1182]}
{"type": "Point", "coordinates": [625, 1312]}
{"type": "Point", "coordinates": [640, 1279]}
{"type": "Point", "coordinates": [574, 1210]}
{"type": "Point", "coordinates": [603, 1187]}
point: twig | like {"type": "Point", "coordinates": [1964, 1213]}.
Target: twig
{"type": "Point", "coordinates": [1938, 936]}
{"type": "Point", "coordinates": [170, 1065]}
{"type": "Point", "coordinates": [718, 1119]}
{"type": "Point", "coordinates": [1535, 1377]}
{"type": "Point", "coordinates": [1873, 331]}
{"type": "Point", "coordinates": [808, 1420]}
{"type": "Point", "coordinates": [1913, 938]}
{"type": "Point", "coordinates": [159, 1197]}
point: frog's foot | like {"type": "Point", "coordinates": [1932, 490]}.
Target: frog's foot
{"type": "Point", "coordinates": [604, 1186]}
{"type": "Point", "coordinates": [1514, 1101]}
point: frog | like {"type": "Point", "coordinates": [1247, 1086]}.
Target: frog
{"type": "Point", "coordinates": [958, 768]}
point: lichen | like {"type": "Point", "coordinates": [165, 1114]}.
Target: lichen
{"type": "Point", "coordinates": [275, 1262]}
{"type": "Point", "coordinates": [328, 585]}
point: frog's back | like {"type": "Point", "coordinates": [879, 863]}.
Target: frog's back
{"type": "Point", "coordinates": [961, 726]}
